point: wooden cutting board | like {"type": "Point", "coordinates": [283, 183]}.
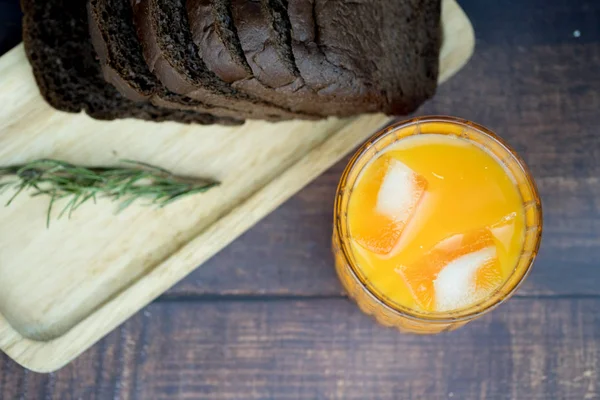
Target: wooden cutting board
{"type": "Point", "coordinates": [64, 287]}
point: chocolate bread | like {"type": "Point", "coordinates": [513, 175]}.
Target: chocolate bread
{"type": "Point", "coordinates": [265, 59]}
{"type": "Point", "coordinates": [383, 52]}
{"type": "Point", "coordinates": [344, 92]}
{"type": "Point", "coordinates": [215, 35]}
{"type": "Point", "coordinates": [258, 37]}
{"type": "Point", "coordinates": [332, 90]}
{"type": "Point", "coordinates": [352, 57]}
{"type": "Point", "coordinates": [281, 32]}
{"type": "Point", "coordinates": [217, 39]}
{"type": "Point", "coordinates": [57, 43]}
{"type": "Point", "coordinates": [119, 52]}
{"type": "Point", "coordinates": [171, 54]}
{"type": "Point", "coordinates": [115, 41]}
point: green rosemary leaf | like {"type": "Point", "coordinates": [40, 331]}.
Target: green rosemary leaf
{"type": "Point", "coordinates": [20, 187]}
{"type": "Point", "coordinates": [59, 179]}
{"type": "Point", "coordinates": [49, 213]}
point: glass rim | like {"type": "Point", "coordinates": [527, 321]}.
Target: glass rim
{"type": "Point", "coordinates": [475, 310]}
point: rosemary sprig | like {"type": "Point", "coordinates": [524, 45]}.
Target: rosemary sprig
{"type": "Point", "coordinates": [59, 179]}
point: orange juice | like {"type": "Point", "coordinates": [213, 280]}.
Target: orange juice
{"type": "Point", "coordinates": [440, 222]}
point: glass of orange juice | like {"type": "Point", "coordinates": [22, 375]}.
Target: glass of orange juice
{"type": "Point", "coordinates": [436, 222]}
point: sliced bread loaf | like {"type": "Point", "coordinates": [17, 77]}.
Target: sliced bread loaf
{"type": "Point", "coordinates": [115, 41]}
{"type": "Point", "coordinates": [215, 35]}
{"type": "Point", "coordinates": [281, 32]}
{"type": "Point", "coordinates": [352, 57]}
{"type": "Point", "coordinates": [217, 39]}
{"type": "Point", "coordinates": [266, 55]}
{"type": "Point", "coordinates": [383, 52]}
{"type": "Point", "coordinates": [119, 52]}
{"type": "Point", "coordinates": [57, 43]}
{"type": "Point", "coordinates": [333, 83]}
{"type": "Point", "coordinates": [172, 55]}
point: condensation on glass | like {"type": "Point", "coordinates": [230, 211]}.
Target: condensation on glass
{"type": "Point", "coordinates": [364, 294]}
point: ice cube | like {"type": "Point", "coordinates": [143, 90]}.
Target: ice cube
{"type": "Point", "coordinates": [456, 272]}
{"type": "Point", "coordinates": [382, 203]}
{"type": "Point", "coordinates": [456, 284]}
{"type": "Point", "coordinates": [450, 243]}
{"type": "Point", "coordinates": [400, 191]}
{"type": "Point", "coordinates": [504, 229]}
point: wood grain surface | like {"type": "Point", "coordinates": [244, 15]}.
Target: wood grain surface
{"type": "Point", "coordinates": [327, 349]}
{"type": "Point", "coordinates": [64, 287]}
{"type": "Point", "coordinates": [266, 319]}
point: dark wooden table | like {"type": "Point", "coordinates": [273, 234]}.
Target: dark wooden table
{"type": "Point", "coordinates": [266, 318]}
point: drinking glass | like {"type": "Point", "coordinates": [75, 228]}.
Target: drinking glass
{"type": "Point", "coordinates": [366, 296]}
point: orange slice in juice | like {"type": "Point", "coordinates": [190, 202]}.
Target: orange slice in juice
{"type": "Point", "coordinates": [456, 272]}
{"type": "Point", "coordinates": [384, 199]}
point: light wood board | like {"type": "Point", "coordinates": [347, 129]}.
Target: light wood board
{"type": "Point", "coordinates": [63, 288]}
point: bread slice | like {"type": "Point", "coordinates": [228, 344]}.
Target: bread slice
{"type": "Point", "coordinates": [113, 37]}
{"type": "Point", "coordinates": [115, 41]}
{"type": "Point", "coordinates": [333, 83]}
{"type": "Point", "coordinates": [216, 37]}
{"type": "Point", "coordinates": [281, 33]}
{"type": "Point", "coordinates": [262, 45]}
{"type": "Point", "coordinates": [171, 54]}
{"type": "Point", "coordinates": [245, 40]}
{"type": "Point", "coordinates": [216, 31]}
{"type": "Point", "coordinates": [385, 52]}
{"type": "Point", "coordinates": [353, 56]}
{"type": "Point", "coordinates": [57, 43]}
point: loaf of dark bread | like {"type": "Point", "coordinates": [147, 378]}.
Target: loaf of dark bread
{"type": "Point", "coordinates": [319, 73]}
{"type": "Point", "coordinates": [216, 36]}
{"type": "Point", "coordinates": [382, 53]}
{"type": "Point", "coordinates": [281, 33]}
{"type": "Point", "coordinates": [57, 43]}
{"type": "Point", "coordinates": [264, 53]}
{"type": "Point", "coordinates": [115, 41]}
{"type": "Point", "coordinates": [113, 37]}
{"type": "Point", "coordinates": [170, 52]}
{"type": "Point", "coordinates": [220, 61]}
{"type": "Point", "coordinates": [352, 57]}
{"type": "Point", "coordinates": [217, 40]}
